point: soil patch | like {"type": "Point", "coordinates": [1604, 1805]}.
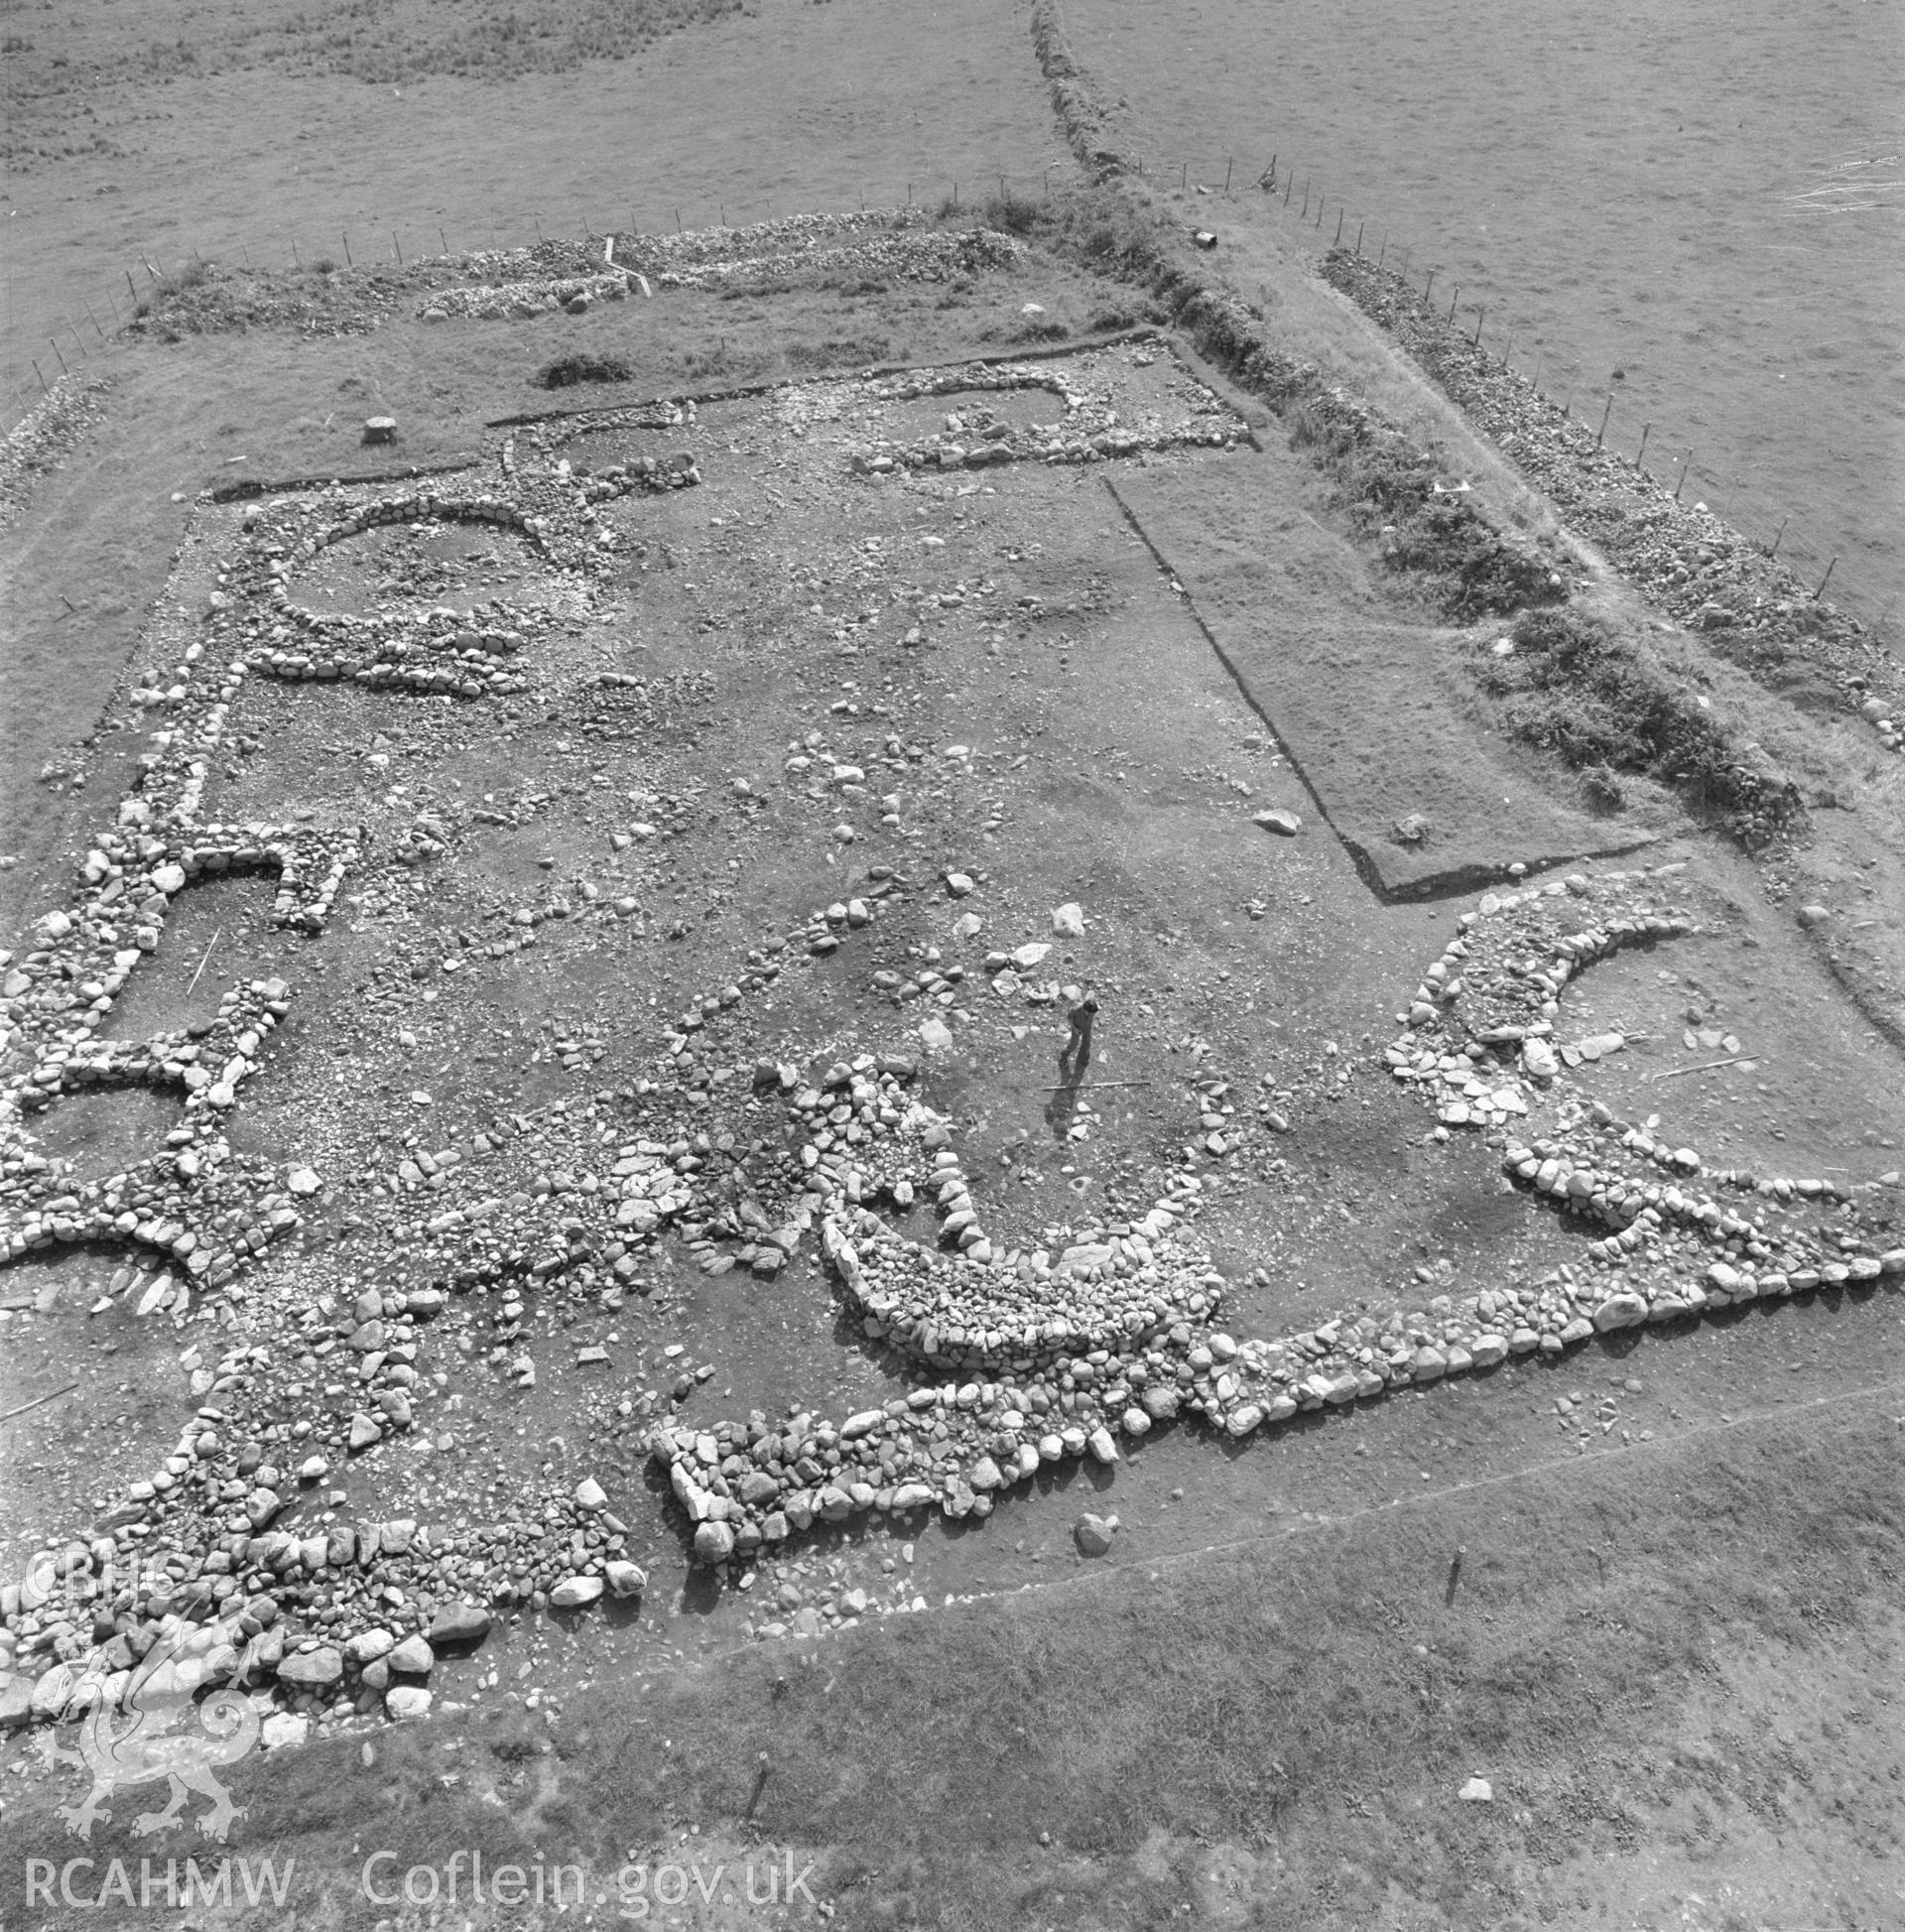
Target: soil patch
{"type": "Point", "coordinates": [1427, 802]}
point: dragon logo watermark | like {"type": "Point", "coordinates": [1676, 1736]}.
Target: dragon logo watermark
{"type": "Point", "coordinates": [160, 1728]}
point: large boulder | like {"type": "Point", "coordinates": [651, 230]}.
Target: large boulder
{"type": "Point", "coordinates": [714, 1543]}
{"type": "Point", "coordinates": [311, 1670]}
{"type": "Point", "coordinates": [1620, 1311]}
{"type": "Point", "coordinates": [1092, 1534]}
{"type": "Point", "coordinates": [367, 1646]}
{"type": "Point", "coordinates": [412, 1658]}
{"type": "Point", "coordinates": [458, 1624]}
{"type": "Point", "coordinates": [52, 1692]}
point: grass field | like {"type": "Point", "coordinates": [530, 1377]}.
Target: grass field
{"type": "Point", "coordinates": [1672, 1665]}
{"type": "Point", "coordinates": [1713, 250]}
{"type": "Point", "coordinates": [1652, 1591]}
{"type": "Point", "coordinates": [787, 107]}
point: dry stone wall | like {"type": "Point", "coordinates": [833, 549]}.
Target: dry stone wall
{"type": "Point", "coordinates": [1035, 1358]}
{"type": "Point", "coordinates": [1020, 1355]}
{"type": "Point", "coordinates": [879, 243]}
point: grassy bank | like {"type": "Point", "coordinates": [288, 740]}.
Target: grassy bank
{"type": "Point", "coordinates": [1464, 564]}
{"type": "Point", "coordinates": [1298, 1714]}
{"type": "Point", "coordinates": [1753, 611]}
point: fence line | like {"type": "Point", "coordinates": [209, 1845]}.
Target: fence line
{"type": "Point", "coordinates": [1783, 526]}
{"type": "Point", "coordinates": [119, 298]}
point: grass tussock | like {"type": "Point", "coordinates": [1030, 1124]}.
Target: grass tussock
{"type": "Point", "coordinates": [1605, 706]}
{"type": "Point", "coordinates": [1012, 213]}
{"type": "Point", "coordinates": [566, 371]}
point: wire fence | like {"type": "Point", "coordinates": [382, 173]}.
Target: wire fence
{"type": "Point", "coordinates": [1784, 526]}
{"type": "Point", "coordinates": [94, 325]}
{"type": "Point", "coordinates": [1802, 535]}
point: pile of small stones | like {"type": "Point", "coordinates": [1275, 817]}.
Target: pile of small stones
{"type": "Point", "coordinates": [790, 238]}
{"type": "Point", "coordinates": [523, 301]}
{"type": "Point", "coordinates": [934, 256]}
{"type": "Point", "coordinates": [42, 436]}
{"type": "Point", "coordinates": [875, 243]}
{"type": "Point", "coordinates": [971, 437]}
{"type": "Point", "coordinates": [89, 1619]}
{"type": "Point", "coordinates": [882, 242]}
{"type": "Point", "coordinates": [787, 238]}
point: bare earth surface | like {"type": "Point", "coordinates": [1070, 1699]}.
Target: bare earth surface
{"type": "Point", "coordinates": [565, 1267]}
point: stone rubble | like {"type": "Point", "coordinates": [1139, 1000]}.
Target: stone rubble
{"type": "Point", "coordinates": [1062, 1355]}
{"type": "Point", "coordinates": [876, 242]}
{"type": "Point", "coordinates": [1024, 1358]}
{"type": "Point", "coordinates": [41, 438]}
{"type": "Point", "coordinates": [1090, 430]}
